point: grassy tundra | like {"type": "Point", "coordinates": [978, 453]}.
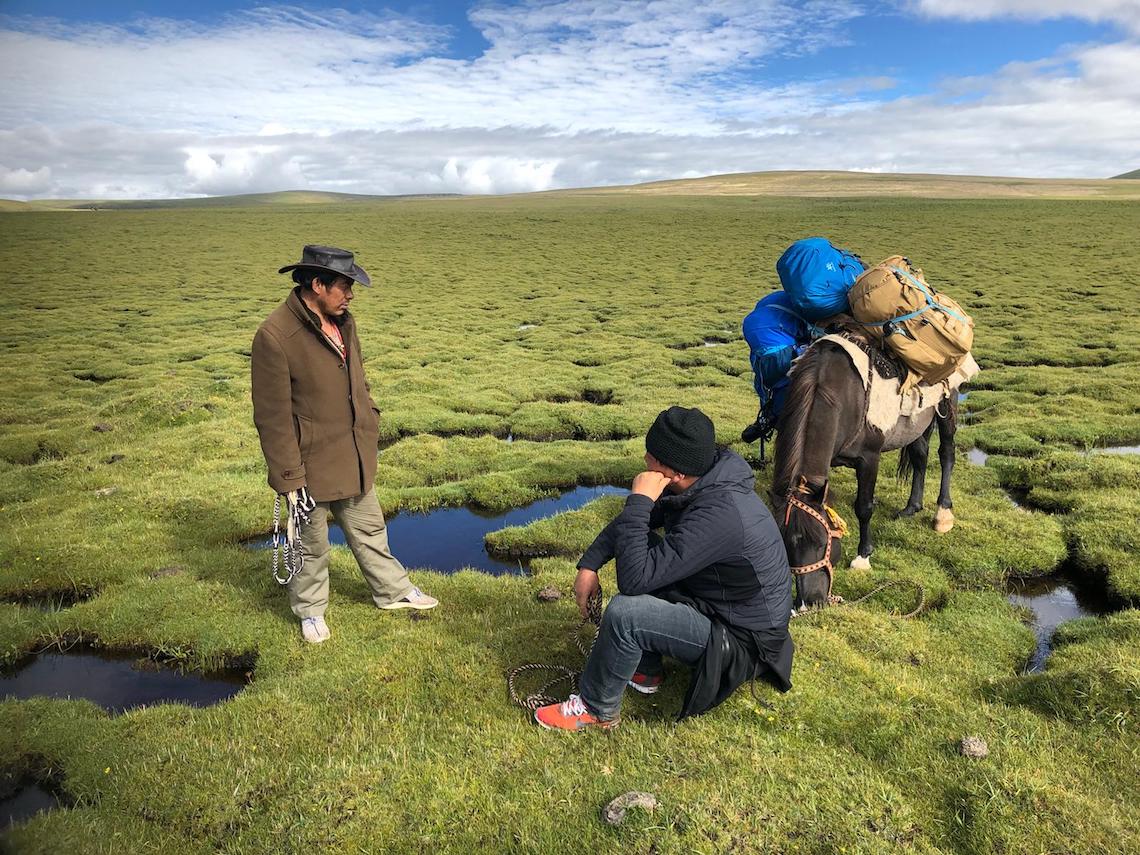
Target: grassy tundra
{"type": "Point", "coordinates": [566, 322]}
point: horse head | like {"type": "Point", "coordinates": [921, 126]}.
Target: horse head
{"type": "Point", "coordinates": [812, 536]}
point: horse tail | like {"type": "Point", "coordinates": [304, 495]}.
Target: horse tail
{"type": "Point", "coordinates": [906, 465]}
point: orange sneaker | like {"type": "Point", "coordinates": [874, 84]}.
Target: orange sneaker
{"type": "Point", "coordinates": [645, 683]}
{"type": "Point", "coordinates": [571, 715]}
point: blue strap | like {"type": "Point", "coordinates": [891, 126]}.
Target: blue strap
{"type": "Point", "coordinates": [905, 317]}
{"type": "Point", "coordinates": [931, 302]}
{"type": "Point", "coordinates": [813, 330]}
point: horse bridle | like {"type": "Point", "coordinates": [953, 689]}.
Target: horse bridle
{"type": "Point", "coordinates": [833, 533]}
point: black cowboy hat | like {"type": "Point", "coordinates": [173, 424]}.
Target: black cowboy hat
{"type": "Point", "coordinates": [330, 258]}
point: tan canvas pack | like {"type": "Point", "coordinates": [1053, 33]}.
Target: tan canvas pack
{"type": "Point", "coordinates": [930, 331]}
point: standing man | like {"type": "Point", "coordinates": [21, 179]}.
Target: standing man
{"type": "Point", "coordinates": [715, 592]}
{"type": "Point", "coordinates": [319, 431]}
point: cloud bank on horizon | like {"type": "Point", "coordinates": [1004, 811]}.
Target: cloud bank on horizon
{"type": "Point", "coordinates": [502, 97]}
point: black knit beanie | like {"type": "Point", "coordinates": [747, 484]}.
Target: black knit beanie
{"type": "Point", "coordinates": [683, 439]}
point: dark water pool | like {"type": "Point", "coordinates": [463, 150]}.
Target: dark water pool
{"type": "Point", "coordinates": [450, 539]}
{"type": "Point", "coordinates": [116, 683]}
{"type": "Point", "coordinates": [25, 803]}
{"type": "Point", "coordinates": [48, 601]}
{"type": "Point", "coordinates": [1053, 600]}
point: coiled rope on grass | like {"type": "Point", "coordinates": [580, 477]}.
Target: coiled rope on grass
{"type": "Point", "coordinates": [562, 674]}
{"type": "Point", "coordinates": [541, 697]}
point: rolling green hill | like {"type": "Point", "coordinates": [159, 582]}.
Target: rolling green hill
{"type": "Point", "coordinates": [1135, 173]}
{"type": "Point", "coordinates": [818, 184]}
{"type": "Point", "coordinates": [831, 184]}
{"type": "Point", "coordinates": [247, 200]}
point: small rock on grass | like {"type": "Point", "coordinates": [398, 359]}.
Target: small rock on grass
{"type": "Point", "coordinates": [102, 427]}
{"type": "Point", "coordinates": [973, 746]}
{"type": "Point", "coordinates": [614, 812]}
{"type": "Point", "coordinates": [549, 594]}
{"type": "Point", "coordinates": [106, 491]}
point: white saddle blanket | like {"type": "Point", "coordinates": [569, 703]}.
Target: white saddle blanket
{"type": "Point", "coordinates": [885, 405]}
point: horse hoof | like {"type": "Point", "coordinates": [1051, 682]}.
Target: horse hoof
{"type": "Point", "coordinates": [861, 562]}
{"type": "Point", "coordinates": [943, 520]}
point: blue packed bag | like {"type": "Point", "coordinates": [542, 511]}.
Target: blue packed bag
{"type": "Point", "coordinates": [816, 277]}
{"type": "Point", "coordinates": [776, 335]}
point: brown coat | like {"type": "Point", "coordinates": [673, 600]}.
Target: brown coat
{"type": "Point", "coordinates": [314, 412]}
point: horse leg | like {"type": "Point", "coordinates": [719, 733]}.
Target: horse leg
{"type": "Point", "coordinates": [914, 458]}
{"type": "Point", "coordinates": [947, 427]}
{"type": "Point", "coordinates": [866, 473]}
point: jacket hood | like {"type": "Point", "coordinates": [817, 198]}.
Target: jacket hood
{"type": "Point", "coordinates": [729, 471]}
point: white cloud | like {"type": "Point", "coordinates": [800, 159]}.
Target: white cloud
{"type": "Point", "coordinates": [245, 169]}
{"type": "Point", "coordinates": [497, 175]}
{"type": "Point", "coordinates": [618, 64]}
{"type": "Point", "coordinates": [23, 182]}
{"type": "Point", "coordinates": [574, 93]}
{"type": "Point", "coordinates": [1123, 12]}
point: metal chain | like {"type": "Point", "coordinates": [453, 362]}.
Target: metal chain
{"type": "Point", "coordinates": [542, 697]}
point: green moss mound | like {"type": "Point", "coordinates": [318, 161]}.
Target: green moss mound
{"type": "Point", "coordinates": [518, 347]}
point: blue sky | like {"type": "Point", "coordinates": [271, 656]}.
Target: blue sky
{"type": "Point", "coordinates": [129, 100]}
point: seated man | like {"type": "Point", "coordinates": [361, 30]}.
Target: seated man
{"type": "Point", "coordinates": [714, 592]}
{"type": "Point", "coordinates": [776, 335]}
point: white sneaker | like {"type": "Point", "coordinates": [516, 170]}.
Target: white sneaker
{"type": "Point", "coordinates": [417, 599]}
{"type": "Point", "coordinates": [315, 629]}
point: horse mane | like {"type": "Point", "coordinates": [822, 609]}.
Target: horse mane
{"type": "Point", "coordinates": [792, 436]}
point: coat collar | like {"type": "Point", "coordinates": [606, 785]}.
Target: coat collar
{"type": "Point", "coordinates": [309, 318]}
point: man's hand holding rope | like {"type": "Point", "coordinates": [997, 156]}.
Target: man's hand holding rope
{"type": "Point", "coordinates": [298, 506]}
{"type": "Point", "coordinates": [586, 587]}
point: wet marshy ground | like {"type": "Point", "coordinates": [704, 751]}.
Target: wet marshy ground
{"type": "Point", "coordinates": [450, 539]}
{"type": "Point", "coordinates": [1053, 600]}
{"type": "Point", "coordinates": [29, 799]}
{"type": "Point", "coordinates": [116, 683]}
{"type": "Point", "coordinates": [49, 601]}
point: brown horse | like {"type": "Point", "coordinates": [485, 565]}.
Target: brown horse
{"type": "Point", "coordinates": [824, 424]}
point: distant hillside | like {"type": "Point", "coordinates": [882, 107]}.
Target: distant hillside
{"type": "Point", "coordinates": [849, 184]}
{"type": "Point", "coordinates": [818, 184]}
{"type": "Point", "coordinates": [283, 198]}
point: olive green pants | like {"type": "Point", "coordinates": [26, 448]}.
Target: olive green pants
{"type": "Point", "coordinates": [367, 535]}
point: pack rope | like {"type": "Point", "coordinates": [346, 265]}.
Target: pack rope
{"type": "Point", "coordinates": [836, 600]}
{"type": "Point", "coordinates": [541, 697]}
{"type": "Point", "coordinates": [287, 549]}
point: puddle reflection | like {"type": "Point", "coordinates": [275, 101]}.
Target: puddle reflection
{"type": "Point", "coordinates": [449, 539]}
{"type": "Point", "coordinates": [1053, 601]}
{"type": "Point", "coordinates": [25, 803]}
{"type": "Point", "coordinates": [116, 683]}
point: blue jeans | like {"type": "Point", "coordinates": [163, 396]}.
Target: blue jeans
{"type": "Point", "coordinates": [635, 633]}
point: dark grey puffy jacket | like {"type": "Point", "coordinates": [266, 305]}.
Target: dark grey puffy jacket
{"type": "Point", "coordinates": [721, 547]}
